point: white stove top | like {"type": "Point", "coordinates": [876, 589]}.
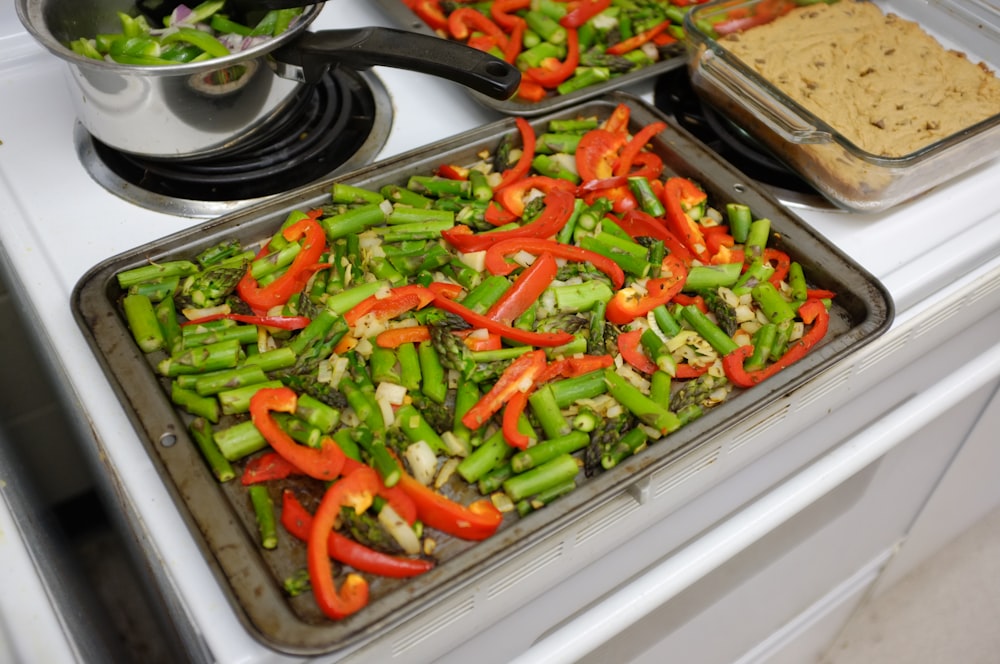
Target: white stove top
{"type": "Point", "coordinates": [57, 224]}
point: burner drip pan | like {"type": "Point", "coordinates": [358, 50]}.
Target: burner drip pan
{"type": "Point", "coordinates": [339, 124]}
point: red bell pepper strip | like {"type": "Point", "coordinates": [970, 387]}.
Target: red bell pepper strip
{"type": "Point", "coordinates": [617, 122]}
{"type": "Point", "coordinates": [355, 490]}
{"type": "Point", "coordinates": [810, 310]}
{"type": "Point", "coordinates": [583, 12]}
{"type": "Point", "coordinates": [780, 261]}
{"type": "Point", "coordinates": [295, 277]}
{"type": "Point", "coordinates": [630, 347]}
{"type": "Point", "coordinates": [267, 467]}
{"type": "Point", "coordinates": [648, 165]}
{"type": "Point", "coordinates": [679, 195]}
{"type": "Point", "coordinates": [577, 365]}
{"type": "Point", "coordinates": [465, 20]}
{"type": "Point", "coordinates": [476, 522]}
{"type": "Point", "coordinates": [552, 76]}
{"type": "Point", "coordinates": [501, 11]}
{"type": "Point", "coordinates": [685, 370]}
{"type": "Point", "coordinates": [498, 216]}
{"type": "Point", "coordinates": [697, 300]}
{"type": "Point", "coordinates": [452, 172]}
{"type": "Point", "coordinates": [298, 522]}
{"type": "Point", "coordinates": [511, 416]}
{"type": "Point", "coordinates": [496, 256]}
{"type": "Point", "coordinates": [519, 376]}
{"type": "Point", "coordinates": [280, 322]}
{"type": "Point", "coordinates": [430, 12]}
{"type": "Point", "coordinates": [597, 152]}
{"type": "Point", "coordinates": [399, 300]}
{"type": "Point", "coordinates": [324, 463]}
{"type": "Point", "coordinates": [523, 165]}
{"type": "Point", "coordinates": [478, 320]}
{"type": "Point", "coordinates": [400, 501]}
{"type": "Point", "coordinates": [819, 294]}
{"type": "Point", "coordinates": [398, 336]}
{"type": "Point", "coordinates": [627, 305]}
{"type": "Point", "coordinates": [558, 209]}
{"type": "Point", "coordinates": [638, 224]}
{"type": "Point", "coordinates": [525, 290]}
{"type": "Point", "coordinates": [636, 145]}
{"type": "Point", "coordinates": [638, 40]}
{"type": "Point", "coordinates": [515, 42]}
{"type": "Point", "coordinates": [511, 196]}
{"type": "Point", "coordinates": [732, 363]}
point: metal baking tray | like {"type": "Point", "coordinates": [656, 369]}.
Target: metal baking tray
{"type": "Point", "coordinates": [849, 176]}
{"type": "Point", "coordinates": [401, 15]}
{"type": "Point", "coordinates": [219, 515]}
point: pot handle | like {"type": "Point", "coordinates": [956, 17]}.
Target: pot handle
{"type": "Point", "coordinates": [315, 52]}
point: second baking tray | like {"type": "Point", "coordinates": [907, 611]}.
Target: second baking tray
{"type": "Point", "coordinates": [400, 14]}
{"type": "Point", "coordinates": [219, 515]}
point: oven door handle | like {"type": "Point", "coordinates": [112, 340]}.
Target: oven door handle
{"type": "Point", "coordinates": [640, 597]}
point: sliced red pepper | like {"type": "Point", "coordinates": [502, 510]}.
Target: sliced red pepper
{"type": "Point", "coordinates": [636, 145]}
{"type": "Point", "coordinates": [638, 40]}
{"type": "Point", "coordinates": [355, 490]}
{"type": "Point", "coordinates": [452, 172]}
{"type": "Point", "coordinates": [546, 339]}
{"type": "Point", "coordinates": [617, 122]}
{"type": "Point", "coordinates": [502, 12]}
{"type": "Point", "coordinates": [680, 195]}
{"type": "Point", "coordinates": [558, 209]}
{"type": "Point", "coordinates": [780, 261]}
{"type": "Point", "coordinates": [280, 322]}
{"type": "Point", "coordinates": [626, 305]}
{"type": "Point", "coordinates": [477, 343]}
{"type": "Point", "coordinates": [511, 416]}
{"type": "Point", "coordinates": [465, 20]}
{"type": "Point", "coordinates": [597, 152]}
{"type": "Point", "coordinates": [732, 363]}
{"type": "Point", "coordinates": [496, 256]}
{"type": "Point", "coordinates": [430, 12]}
{"type": "Point", "coordinates": [648, 165]}
{"type": "Point", "coordinates": [445, 289]}
{"type": "Point", "coordinates": [528, 90]}
{"type": "Point", "coordinates": [399, 300]}
{"type": "Point", "coordinates": [685, 370]}
{"type": "Point", "coordinates": [577, 365]}
{"type": "Point", "coordinates": [498, 216]}
{"type": "Point", "coordinates": [324, 463]}
{"type": "Point", "coordinates": [550, 77]}
{"type": "Point", "coordinates": [583, 11]}
{"type": "Point", "coordinates": [298, 522]}
{"type": "Point", "coordinates": [820, 294]}
{"type": "Point", "coordinates": [810, 310]}
{"type": "Point", "coordinates": [697, 300]}
{"type": "Point", "coordinates": [397, 336]}
{"type": "Point", "coordinates": [511, 196]}
{"type": "Point", "coordinates": [400, 501]}
{"type": "Point", "coordinates": [523, 165]}
{"type": "Point", "coordinates": [267, 467]}
{"type": "Point", "coordinates": [638, 224]}
{"type": "Point", "coordinates": [519, 376]}
{"type": "Point", "coordinates": [476, 522]}
{"type": "Point", "coordinates": [295, 277]}
{"type": "Point", "coordinates": [515, 42]}
{"type": "Point", "coordinates": [526, 289]}
{"type": "Point", "coordinates": [630, 347]}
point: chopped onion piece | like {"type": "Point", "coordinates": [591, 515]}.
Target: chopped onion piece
{"type": "Point", "coordinates": [422, 461]}
{"type": "Point", "coordinates": [447, 470]}
{"type": "Point", "coordinates": [400, 530]}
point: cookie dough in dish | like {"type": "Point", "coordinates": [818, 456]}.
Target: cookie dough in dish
{"type": "Point", "coordinates": [881, 81]}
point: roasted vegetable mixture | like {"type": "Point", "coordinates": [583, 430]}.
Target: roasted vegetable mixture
{"type": "Point", "coordinates": [561, 46]}
{"type": "Point", "coordinates": [516, 324]}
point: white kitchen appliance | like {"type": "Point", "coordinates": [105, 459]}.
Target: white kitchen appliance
{"type": "Point", "coordinates": [752, 548]}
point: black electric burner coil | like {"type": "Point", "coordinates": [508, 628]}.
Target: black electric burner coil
{"type": "Point", "coordinates": [674, 95]}
{"type": "Point", "coordinates": [323, 126]}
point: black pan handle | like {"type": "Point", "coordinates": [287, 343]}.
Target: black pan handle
{"type": "Point", "coordinates": [315, 52]}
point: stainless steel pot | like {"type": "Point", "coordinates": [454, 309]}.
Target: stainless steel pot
{"type": "Point", "coordinates": [206, 108]}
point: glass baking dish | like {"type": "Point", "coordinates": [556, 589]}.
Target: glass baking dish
{"type": "Point", "coordinates": [847, 175]}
